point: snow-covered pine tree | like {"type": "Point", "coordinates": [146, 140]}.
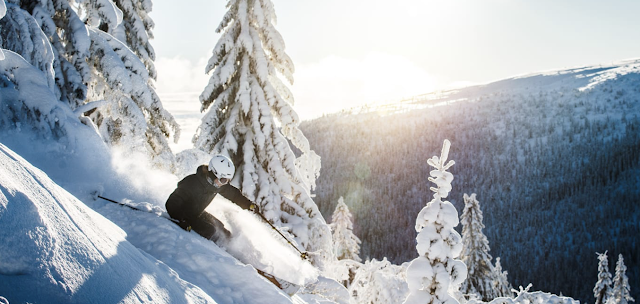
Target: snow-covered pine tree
{"type": "Point", "coordinates": [27, 86]}
{"type": "Point", "coordinates": [70, 42]}
{"type": "Point", "coordinates": [102, 14]}
{"type": "Point", "coordinates": [126, 108]}
{"type": "Point", "coordinates": [128, 112]}
{"type": "Point", "coordinates": [136, 30]}
{"type": "Point", "coordinates": [501, 285]}
{"type": "Point", "coordinates": [345, 244]}
{"type": "Point", "coordinates": [436, 272]}
{"type": "Point", "coordinates": [250, 118]}
{"type": "Point", "coordinates": [28, 101]}
{"type": "Point", "coordinates": [475, 252]}
{"type": "Point", "coordinates": [621, 288]}
{"type": "Point", "coordinates": [602, 290]}
{"type": "Point", "coordinates": [22, 34]}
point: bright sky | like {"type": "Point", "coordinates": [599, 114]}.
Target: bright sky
{"type": "Point", "coordinates": [351, 52]}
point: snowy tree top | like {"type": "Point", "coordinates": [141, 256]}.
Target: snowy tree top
{"type": "Point", "coordinates": [440, 176]}
{"type": "Point", "coordinates": [601, 290]}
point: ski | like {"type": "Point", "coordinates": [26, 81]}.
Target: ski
{"type": "Point", "coordinates": [286, 286]}
{"type": "Point", "coordinates": [136, 209]}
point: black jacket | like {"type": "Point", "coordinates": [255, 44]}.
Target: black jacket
{"type": "Point", "coordinates": [194, 193]}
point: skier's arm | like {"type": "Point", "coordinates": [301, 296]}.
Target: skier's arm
{"type": "Point", "coordinates": [176, 207]}
{"type": "Point", "coordinates": [180, 204]}
{"type": "Point", "coordinates": [233, 194]}
{"type": "Point", "coordinates": [175, 204]}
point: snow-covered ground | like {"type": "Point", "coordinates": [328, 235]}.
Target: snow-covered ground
{"type": "Point", "coordinates": [57, 250]}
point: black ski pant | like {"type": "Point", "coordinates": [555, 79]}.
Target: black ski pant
{"type": "Point", "coordinates": [209, 227]}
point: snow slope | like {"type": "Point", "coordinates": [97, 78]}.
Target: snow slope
{"type": "Point", "coordinates": [57, 250]}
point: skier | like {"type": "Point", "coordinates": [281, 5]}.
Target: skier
{"type": "Point", "coordinates": [195, 192]}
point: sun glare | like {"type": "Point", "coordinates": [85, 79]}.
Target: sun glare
{"type": "Point", "coordinates": [337, 83]}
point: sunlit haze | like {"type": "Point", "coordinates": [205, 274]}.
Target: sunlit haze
{"type": "Point", "coordinates": [347, 53]}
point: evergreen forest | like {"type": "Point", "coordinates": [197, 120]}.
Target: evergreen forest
{"type": "Point", "coordinates": [554, 158]}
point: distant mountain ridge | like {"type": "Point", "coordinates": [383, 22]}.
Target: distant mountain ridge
{"type": "Point", "coordinates": [581, 78]}
{"type": "Point", "coordinates": [553, 157]}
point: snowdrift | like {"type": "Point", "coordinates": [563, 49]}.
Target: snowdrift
{"type": "Point", "coordinates": [57, 250]}
{"type": "Point", "coordinates": [525, 297]}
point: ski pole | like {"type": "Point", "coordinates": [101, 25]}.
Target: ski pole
{"type": "Point", "coordinates": [303, 255]}
{"type": "Point", "coordinates": [131, 207]}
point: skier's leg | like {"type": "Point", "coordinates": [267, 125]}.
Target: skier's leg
{"type": "Point", "coordinates": [202, 227]}
{"type": "Point", "coordinates": [210, 227]}
{"type": "Point", "coordinates": [221, 234]}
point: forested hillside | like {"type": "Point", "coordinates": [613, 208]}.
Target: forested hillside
{"type": "Point", "coordinates": [554, 159]}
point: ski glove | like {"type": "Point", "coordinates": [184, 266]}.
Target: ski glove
{"type": "Point", "coordinates": [184, 225]}
{"type": "Point", "coordinates": [254, 208]}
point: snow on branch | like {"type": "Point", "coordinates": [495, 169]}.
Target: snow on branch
{"type": "Point", "coordinates": [134, 110]}
{"type": "Point", "coordinates": [98, 12]}
{"type": "Point", "coordinates": [3, 9]}
{"type": "Point", "coordinates": [23, 35]}
{"type": "Point", "coordinates": [26, 97]}
{"type": "Point", "coordinates": [136, 30]}
{"type": "Point", "coordinates": [69, 38]}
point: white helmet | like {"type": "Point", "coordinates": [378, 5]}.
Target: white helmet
{"type": "Point", "coordinates": [222, 167]}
